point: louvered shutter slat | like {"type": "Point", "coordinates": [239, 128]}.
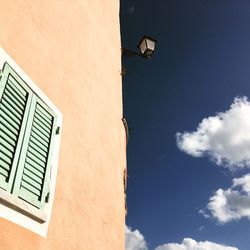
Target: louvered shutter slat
{"type": "Point", "coordinates": [42, 140]}
{"type": "Point", "coordinates": [15, 107]}
{"type": "Point", "coordinates": [44, 116]}
{"type": "Point", "coordinates": [4, 165]}
{"type": "Point", "coordinates": [10, 91]}
{"type": "Point", "coordinates": [16, 92]}
{"type": "Point", "coordinates": [34, 164]}
{"type": "Point", "coordinates": [5, 144]}
{"type": "Point", "coordinates": [29, 188]}
{"type": "Point", "coordinates": [38, 155]}
{"type": "Point", "coordinates": [35, 159]}
{"type": "Point", "coordinates": [15, 84]}
{"type": "Point", "coordinates": [12, 116]}
{"type": "Point", "coordinates": [4, 173]}
{"type": "Point", "coordinates": [35, 184]}
{"type": "Point", "coordinates": [40, 110]}
{"type": "Point", "coordinates": [8, 126]}
{"type": "Point", "coordinates": [41, 135]}
{"type": "Point", "coordinates": [14, 89]}
{"type": "Point", "coordinates": [6, 158]}
{"type": "Point", "coordinates": [33, 169]}
{"type": "Point", "coordinates": [8, 119]}
{"type": "Point", "coordinates": [42, 119]}
{"type": "Point", "coordinates": [37, 148]}
{"type": "Point", "coordinates": [11, 109]}
{"type": "Point", "coordinates": [7, 132]}
{"type": "Point", "coordinates": [38, 144]}
{"type": "Point", "coordinates": [7, 152]}
{"type": "Point", "coordinates": [34, 176]}
{"type": "Point", "coordinates": [41, 125]}
{"type": "Point", "coordinates": [7, 139]}
{"type": "Point", "coordinates": [12, 99]}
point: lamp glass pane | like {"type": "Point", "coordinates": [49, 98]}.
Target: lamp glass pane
{"type": "Point", "coordinates": [151, 44]}
{"type": "Point", "coordinates": [143, 46]}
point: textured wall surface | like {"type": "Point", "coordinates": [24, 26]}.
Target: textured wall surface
{"type": "Point", "coordinates": [71, 50]}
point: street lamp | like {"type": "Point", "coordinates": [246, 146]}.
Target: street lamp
{"type": "Point", "coordinates": [146, 47]}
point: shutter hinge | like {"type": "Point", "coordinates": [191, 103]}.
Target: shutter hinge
{"type": "Point", "coordinates": [47, 198]}
{"type": "Point", "coordinates": [57, 130]}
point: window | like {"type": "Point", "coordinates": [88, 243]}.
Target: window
{"type": "Point", "coordinates": [29, 125]}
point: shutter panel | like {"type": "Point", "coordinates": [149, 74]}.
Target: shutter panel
{"type": "Point", "coordinates": [15, 99]}
{"type": "Point", "coordinates": [33, 173]}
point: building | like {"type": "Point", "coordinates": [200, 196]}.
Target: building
{"type": "Point", "coordinates": [68, 53]}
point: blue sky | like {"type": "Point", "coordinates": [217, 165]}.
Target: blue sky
{"type": "Point", "coordinates": [192, 189]}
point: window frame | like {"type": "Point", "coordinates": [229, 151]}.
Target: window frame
{"type": "Point", "coordinates": [11, 207]}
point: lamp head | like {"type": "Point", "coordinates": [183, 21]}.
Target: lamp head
{"type": "Point", "coordinates": [147, 46]}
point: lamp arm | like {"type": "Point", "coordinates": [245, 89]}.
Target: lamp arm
{"type": "Point", "coordinates": [129, 53]}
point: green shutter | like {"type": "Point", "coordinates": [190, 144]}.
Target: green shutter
{"type": "Point", "coordinates": [15, 100]}
{"type": "Point", "coordinates": [33, 173]}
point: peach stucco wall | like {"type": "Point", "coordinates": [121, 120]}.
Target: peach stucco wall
{"type": "Point", "coordinates": [71, 50]}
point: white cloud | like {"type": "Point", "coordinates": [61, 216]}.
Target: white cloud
{"type": "Point", "coordinates": [225, 137]}
{"type": "Point", "coordinates": [190, 244]}
{"type": "Point", "coordinates": [201, 211]}
{"type": "Point", "coordinates": [134, 240]}
{"type": "Point", "coordinates": [233, 203]}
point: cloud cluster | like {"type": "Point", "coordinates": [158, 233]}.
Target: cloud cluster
{"type": "Point", "coordinates": [225, 137]}
{"type": "Point", "coordinates": [190, 244]}
{"type": "Point", "coordinates": [233, 203]}
{"type": "Point", "coordinates": [134, 240]}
